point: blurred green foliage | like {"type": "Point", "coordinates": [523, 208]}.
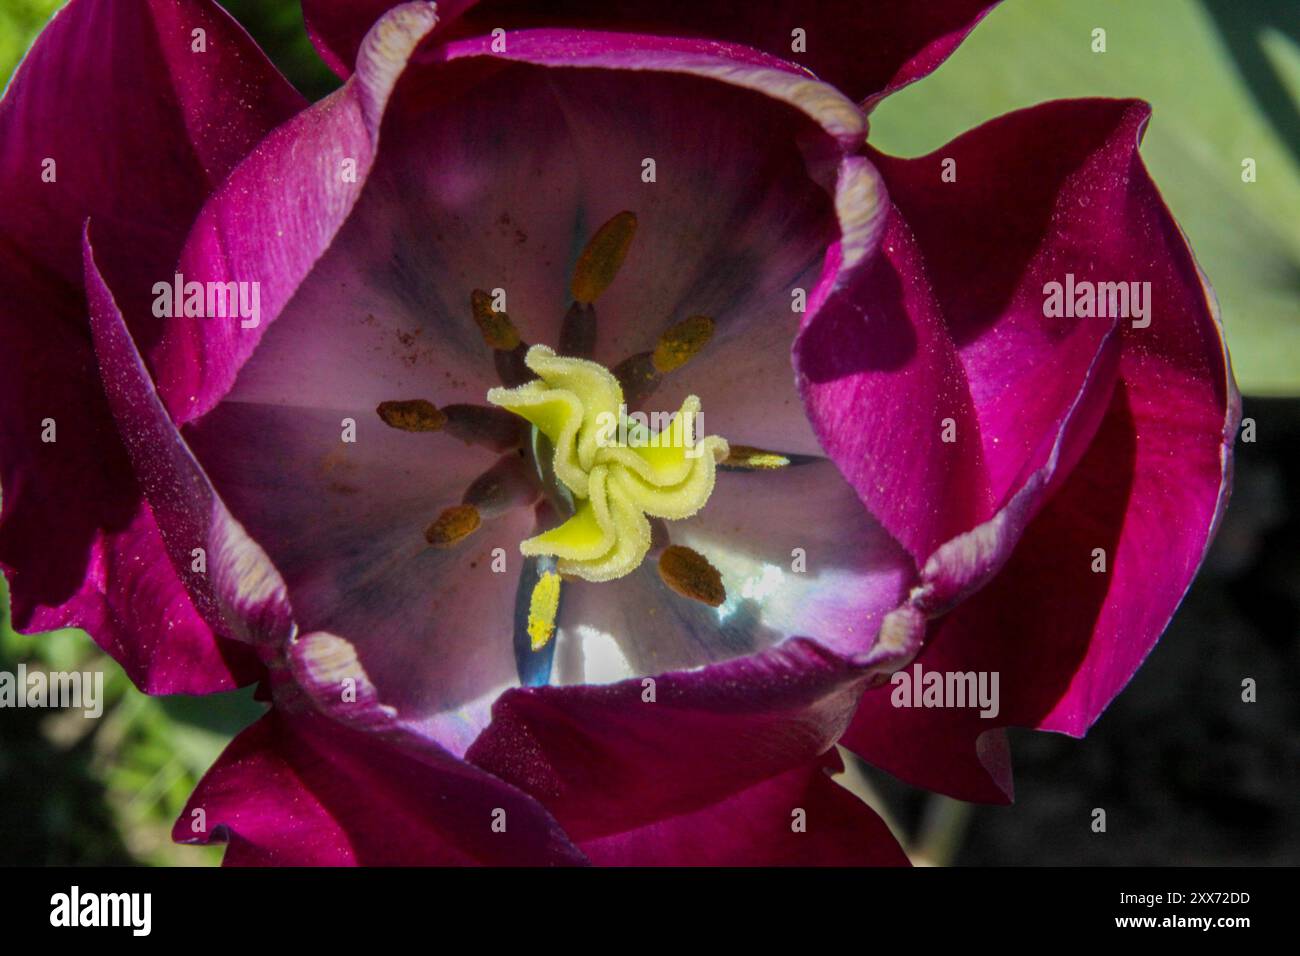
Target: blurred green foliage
{"type": "Point", "coordinates": [20, 21]}
{"type": "Point", "coordinates": [277, 27]}
{"type": "Point", "coordinates": [77, 790]}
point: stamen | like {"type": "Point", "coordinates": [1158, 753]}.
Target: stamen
{"type": "Point", "coordinates": [682, 342]}
{"type": "Point", "coordinates": [638, 377]}
{"type": "Point", "coordinates": [507, 484]}
{"type": "Point", "coordinates": [512, 366]}
{"type": "Point", "coordinates": [691, 575]}
{"type": "Point", "coordinates": [578, 331]}
{"type": "Point", "coordinates": [754, 459]}
{"type": "Point", "coordinates": [543, 607]}
{"type": "Point", "coordinates": [484, 425]}
{"type": "Point", "coordinates": [601, 258]}
{"type": "Point", "coordinates": [498, 331]}
{"type": "Point", "coordinates": [453, 525]}
{"type": "Point", "coordinates": [412, 415]}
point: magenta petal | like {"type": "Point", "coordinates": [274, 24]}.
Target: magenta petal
{"type": "Point", "coordinates": [880, 342]}
{"type": "Point", "coordinates": [278, 212]}
{"type": "Point", "coordinates": [123, 78]}
{"type": "Point", "coordinates": [606, 759]}
{"type": "Point", "coordinates": [1147, 490]}
{"type": "Point", "coordinates": [344, 523]}
{"type": "Point", "coordinates": [78, 543]}
{"type": "Point", "coordinates": [302, 790]}
{"type": "Point", "coordinates": [964, 564]}
{"type": "Point", "coordinates": [865, 47]}
{"type": "Point", "coordinates": [337, 27]}
{"type": "Point", "coordinates": [729, 63]}
{"type": "Point", "coordinates": [1039, 194]}
{"type": "Point", "coordinates": [236, 590]}
{"type": "Point", "coordinates": [800, 818]}
{"type": "Point", "coordinates": [946, 329]}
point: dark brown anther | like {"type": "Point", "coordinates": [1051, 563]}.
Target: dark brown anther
{"type": "Point", "coordinates": [602, 257]}
{"type": "Point", "coordinates": [690, 574]}
{"type": "Point", "coordinates": [682, 342]}
{"type": "Point", "coordinates": [497, 329]}
{"type": "Point", "coordinates": [453, 525]}
{"type": "Point", "coordinates": [750, 458]}
{"type": "Point", "coordinates": [412, 415]}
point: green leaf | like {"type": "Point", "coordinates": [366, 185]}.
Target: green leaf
{"type": "Point", "coordinates": [20, 21]}
{"type": "Point", "coordinates": [1223, 77]}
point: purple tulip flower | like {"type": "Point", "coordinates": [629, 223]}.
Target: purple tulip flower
{"type": "Point", "coordinates": [286, 386]}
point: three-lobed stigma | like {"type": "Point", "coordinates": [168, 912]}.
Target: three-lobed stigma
{"type": "Point", "coordinates": [620, 471]}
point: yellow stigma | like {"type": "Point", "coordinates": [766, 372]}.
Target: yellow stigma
{"type": "Point", "coordinates": [618, 468]}
{"type": "Point", "coordinates": [542, 609]}
{"type": "Point", "coordinates": [602, 257]}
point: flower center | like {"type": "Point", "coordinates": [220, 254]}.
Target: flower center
{"type": "Point", "coordinates": [612, 475]}
{"type": "Point", "coordinates": [618, 467]}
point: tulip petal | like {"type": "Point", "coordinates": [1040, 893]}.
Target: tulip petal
{"type": "Point", "coordinates": [122, 79]}
{"type": "Point", "coordinates": [881, 381]}
{"type": "Point", "coordinates": [980, 380]}
{"type": "Point", "coordinates": [608, 759]}
{"type": "Point", "coordinates": [277, 213]}
{"type": "Point", "coordinates": [344, 523]}
{"type": "Point", "coordinates": [800, 818]}
{"type": "Point", "coordinates": [868, 48]}
{"type": "Point", "coordinates": [1145, 491]}
{"type": "Point", "coordinates": [302, 790]}
{"type": "Point", "coordinates": [234, 588]}
{"type": "Point", "coordinates": [338, 27]}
